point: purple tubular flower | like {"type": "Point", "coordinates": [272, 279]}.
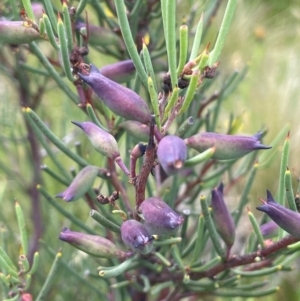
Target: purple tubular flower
{"type": "Point", "coordinates": [92, 244]}
{"type": "Point", "coordinates": [103, 142]}
{"type": "Point", "coordinates": [80, 185]}
{"type": "Point", "coordinates": [119, 72]}
{"type": "Point", "coordinates": [136, 129]}
{"type": "Point", "coordinates": [269, 229]}
{"type": "Point", "coordinates": [160, 218]}
{"type": "Point", "coordinates": [285, 218]}
{"type": "Point", "coordinates": [223, 220]}
{"type": "Point", "coordinates": [228, 147]}
{"type": "Point", "coordinates": [119, 99]}
{"type": "Point", "coordinates": [136, 237]}
{"type": "Point", "coordinates": [172, 153]}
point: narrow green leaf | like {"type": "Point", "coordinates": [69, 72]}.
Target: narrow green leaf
{"type": "Point", "coordinates": [28, 9]}
{"type": "Point", "coordinates": [197, 39]}
{"type": "Point", "coordinates": [170, 36]}
{"type": "Point", "coordinates": [104, 221]}
{"type": "Point", "coordinates": [199, 240]}
{"type": "Point", "coordinates": [246, 294]}
{"type": "Point", "coordinates": [129, 42]}
{"type": "Point", "coordinates": [283, 165]}
{"type": "Point", "coordinates": [81, 6]}
{"type": "Point", "coordinates": [68, 26]}
{"type": "Point", "coordinates": [8, 268]}
{"type": "Point", "coordinates": [256, 229]}
{"type": "Point", "coordinates": [185, 126]}
{"type": "Point", "coordinates": [50, 12]}
{"type": "Point", "coordinates": [94, 118]}
{"type": "Point", "coordinates": [172, 101]}
{"type": "Point", "coordinates": [183, 42]}
{"type": "Point", "coordinates": [117, 270]}
{"type": "Point", "coordinates": [166, 242]}
{"type": "Point", "coordinates": [42, 27]}
{"type": "Point", "coordinates": [43, 294]}
{"type": "Point", "coordinates": [149, 66]}
{"type": "Point", "coordinates": [226, 22]}
{"type": "Point", "coordinates": [50, 33]}
{"type": "Point", "coordinates": [35, 263]}
{"type": "Point", "coordinates": [163, 259]}
{"type": "Point", "coordinates": [190, 91]}
{"type": "Point", "coordinates": [8, 261]}
{"type": "Point", "coordinates": [64, 49]}
{"type": "Point", "coordinates": [208, 265]}
{"type": "Point", "coordinates": [55, 140]}
{"type": "Point", "coordinates": [56, 176]}
{"type": "Point", "coordinates": [74, 273]}
{"type": "Point", "coordinates": [202, 157]}
{"type": "Point", "coordinates": [176, 256]}
{"type": "Point", "coordinates": [154, 102]}
{"type": "Point", "coordinates": [289, 190]}
{"type": "Point", "coordinates": [159, 287]}
{"type": "Point", "coordinates": [64, 212]}
{"type": "Point", "coordinates": [53, 157]}
{"type": "Point", "coordinates": [52, 72]}
{"type": "Point", "coordinates": [262, 272]}
{"type": "Point", "coordinates": [22, 228]}
{"type": "Point", "coordinates": [244, 197]}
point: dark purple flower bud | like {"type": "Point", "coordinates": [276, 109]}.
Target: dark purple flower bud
{"type": "Point", "coordinates": [92, 244]}
{"type": "Point", "coordinates": [171, 153]}
{"type": "Point", "coordinates": [119, 99]}
{"type": "Point", "coordinates": [228, 147]}
{"type": "Point", "coordinates": [136, 129]}
{"type": "Point", "coordinates": [136, 237]}
{"type": "Point", "coordinates": [269, 229]}
{"type": "Point", "coordinates": [80, 185]}
{"type": "Point", "coordinates": [17, 32]}
{"type": "Point", "coordinates": [160, 218]}
{"type": "Point", "coordinates": [119, 72]}
{"type": "Point", "coordinates": [285, 218]}
{"type": "Point", "coordinates": [222, 218]}
{"type": "Point", "coordinates": [103, 142]}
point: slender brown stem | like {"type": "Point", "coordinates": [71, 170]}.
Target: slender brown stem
{"type": "Point", "coordinates": [150, 155]}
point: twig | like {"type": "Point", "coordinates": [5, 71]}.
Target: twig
{"type": "Point", "coordinates": [150, 154]}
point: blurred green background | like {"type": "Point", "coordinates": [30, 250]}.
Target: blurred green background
{"type": "Point", "coordinates": [264, 35]}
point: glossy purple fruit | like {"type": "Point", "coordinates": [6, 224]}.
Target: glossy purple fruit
{"type": "Point", "coordinates": [222, 218]}
{"type": "Point", "coordinates": [227, 147]}
{"type": "Point", "coordinates": [171, 153]}
{"type": "Point", "coordinates": [119, 99]}
{"type": "Point", "coordinates": [136, 237]}
{"type": "Point", "coordinates": [92, 244]}
{"type": "Point", "coordinates": [80, 185]}
{"type": "Point", "coordinates": [103, 142]}
{"type": "Point", "coordinates": [159, 218]}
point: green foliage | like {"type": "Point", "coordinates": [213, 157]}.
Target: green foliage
{"type": "Point", "coordinates": [183, 68]}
